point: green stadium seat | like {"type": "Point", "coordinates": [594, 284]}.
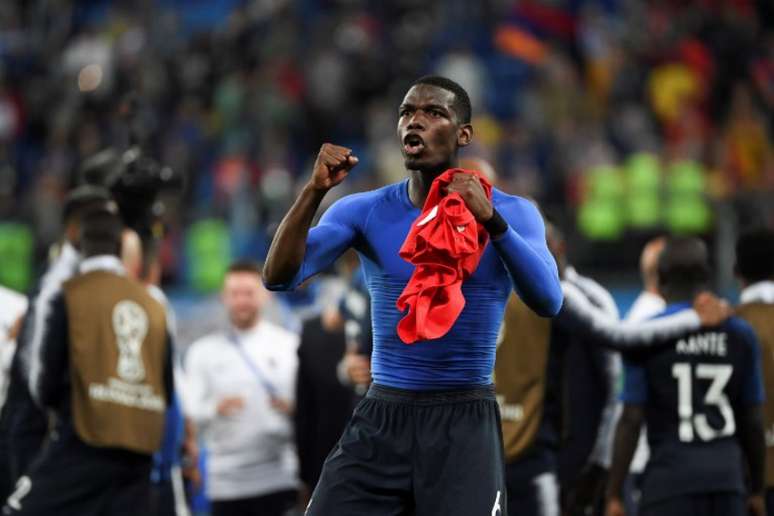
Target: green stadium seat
{"type": "Point", "coordinates": [643, 193]}
{"type": "Point", "coordinates": [208, 252]}
{"type": "Point", "coordinates": [688, 210]}
{"type": "Point", "coordinates": [16, 256]}
{"type": "Point", "coordinates": [600, 215]}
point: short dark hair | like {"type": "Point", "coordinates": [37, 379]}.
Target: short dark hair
{"type": "Point", "coordinates": [461, 104]}
{"type": "Point", "coordinates": [246, 265]}
{"type": "Point", "coordinates": [755, 255]}
{"type": "Point", "coordinates": [84, 198]}
{"type": "Point", "coordinates": [101, 230]}
{"type": "Point", "coordinates": [683, 267]}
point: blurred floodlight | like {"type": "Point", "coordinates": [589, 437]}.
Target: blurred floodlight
{"type": "Point", "coordinates": [89, 78]}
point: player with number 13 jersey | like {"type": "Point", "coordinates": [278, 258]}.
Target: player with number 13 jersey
{"type": "Point", "coordinates": [699, 396]}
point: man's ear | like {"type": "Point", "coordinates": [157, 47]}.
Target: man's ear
{"type": "Point", "coordinates": [464, 135]}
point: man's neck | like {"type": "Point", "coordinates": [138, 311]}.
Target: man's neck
{"type": "Point", "coordinates": [421, 180]}
{"type": "Point", "coordinates": [245, 327]}
{"type": "Point", "coordinates": [652, 290]}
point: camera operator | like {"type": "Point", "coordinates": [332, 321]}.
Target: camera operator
{"type": "Point", "coordinates": [104, 368]}
{"type": "Point", "coordinates": [23, 425]}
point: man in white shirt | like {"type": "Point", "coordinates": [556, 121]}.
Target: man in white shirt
{"type": "Point", "coordinates": [649, 302]}
{"type": "Point", "coordinates": [240, 386]}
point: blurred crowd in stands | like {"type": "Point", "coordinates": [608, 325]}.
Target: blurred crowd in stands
{"type": "Point", "coordinates": [624, 115]}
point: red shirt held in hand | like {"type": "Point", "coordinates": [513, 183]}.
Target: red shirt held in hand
{"type": "Point", "coordinates": [445, 244]}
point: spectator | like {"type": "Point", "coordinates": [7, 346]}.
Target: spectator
{"type": "Point", "coordinates": [241, 384]}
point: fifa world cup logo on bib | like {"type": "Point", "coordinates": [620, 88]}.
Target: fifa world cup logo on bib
{"type": "Point", "coordinates": [130, 324]}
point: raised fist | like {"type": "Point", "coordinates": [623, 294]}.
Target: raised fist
{"type": "Point", "coordinates": [332, 166]}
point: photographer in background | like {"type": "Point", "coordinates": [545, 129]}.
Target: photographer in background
{"type": "Point", "coordinates": [23, 425]}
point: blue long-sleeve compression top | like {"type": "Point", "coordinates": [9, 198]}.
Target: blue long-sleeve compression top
{"type": "Point", "coordinates": [375, 224]}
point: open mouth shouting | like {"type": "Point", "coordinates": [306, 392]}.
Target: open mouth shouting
{"type": "Point", "coordinates": [413, 145]}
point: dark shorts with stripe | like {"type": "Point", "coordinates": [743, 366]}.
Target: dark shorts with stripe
{"type": "Point", "coordinates": [698, 504]}
{"type": "Point", "coordinates": [416, 453]}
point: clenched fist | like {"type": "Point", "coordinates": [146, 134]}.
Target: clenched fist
{"type": "Point", "coordinates": [332, 166]}
{"type": "Point", "coordinates": [469, 187]}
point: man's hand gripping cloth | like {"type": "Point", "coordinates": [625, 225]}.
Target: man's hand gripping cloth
{"type": "Point", "coordinates": [445, 244]}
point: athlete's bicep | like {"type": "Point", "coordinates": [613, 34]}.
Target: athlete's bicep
{"type": "Point", "coordinates": [524, 252]}
{"type": "Point", "coordinates": [334, 234]}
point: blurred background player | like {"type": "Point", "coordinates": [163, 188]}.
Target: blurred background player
{"type": "Point", "coordinates": [755, 269]}
{"type": "Point", "coordinates": [104, 368]}
{"type": "Point", "coordinates": [179, 451]}
{"type": "Point", "coordinates": [241, 390]}
{"type": "Point", "coordinates": [648, 303]}
{"type": "Point", "coordinates": [12, 308]}
{"type": "Point", "coordinates": [23, 424]}
{"type": "Point", "coordinates": [701, 397]}
{"type": "Point", "coordinates": [556, 391]}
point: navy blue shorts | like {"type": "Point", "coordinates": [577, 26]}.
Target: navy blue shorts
{"type": "Point", "coordinates": [698, 504]}
{"type": "Point", "coordinates": [416, 453]}
{"type": "Point", "coordinates": [71, 478]}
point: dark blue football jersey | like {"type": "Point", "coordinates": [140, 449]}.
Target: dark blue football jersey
{"type": "Point", "coordinates": [692, 389]}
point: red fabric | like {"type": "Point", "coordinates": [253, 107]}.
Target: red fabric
{"type": "Point", "coordinates": [445, 244]}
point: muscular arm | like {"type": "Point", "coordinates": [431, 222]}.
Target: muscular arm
{"type": "Point", "coordinates": [523, 250]}
{"type": "Point", "coordinates": [289, 247]}
{"type": "Point", "coordinates": [626, 435]}
{"type": "Point", "coordinates": [519, 237]}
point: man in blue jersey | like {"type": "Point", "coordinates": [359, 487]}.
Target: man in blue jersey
{"type": "Point", "coordinates": [700, 395]}
{"type": "Point", "coordinates": [426, 439]}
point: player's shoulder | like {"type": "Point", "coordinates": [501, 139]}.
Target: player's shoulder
{"type": "Point", "coordinates": [520, 212]}
{"type": "Point", "coordinates": [368, 197]}
{"type": "Point", "coordinates": [358, 205]}
{"type": "Point", "coordinates": [736, 324]}
{"type": "Point", "coordinates": [502, 200]}
{"type": "Point", "coordinates": [738, 327]}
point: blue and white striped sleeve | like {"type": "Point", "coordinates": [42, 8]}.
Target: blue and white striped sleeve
{"type": "Point", "coordinates": [32, 338]}
{"type": "Point", "coordinates": [579, 313]}
{"type": "Point", "coordinates": [46, 386]}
